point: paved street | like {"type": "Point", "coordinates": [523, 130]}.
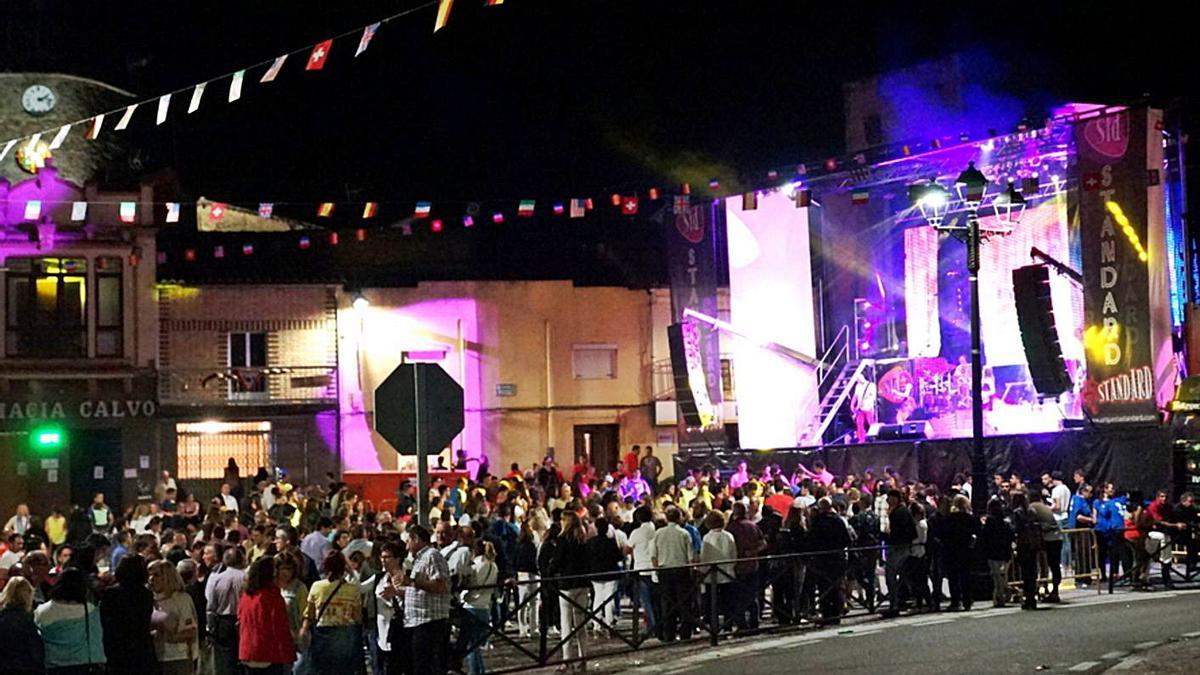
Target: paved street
{"type": "Point", "coordinates": [1090, 634]}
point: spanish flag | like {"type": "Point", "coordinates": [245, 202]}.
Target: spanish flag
{"type": "Point", "coordinates": [443, 14]}
{"type": "Point", "coordinates": [325, 210]}
{"type": "Point", "coordinates": [370, 209]}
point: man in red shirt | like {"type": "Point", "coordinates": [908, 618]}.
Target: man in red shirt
{"type": "Point", "coordinates": [632, 460]}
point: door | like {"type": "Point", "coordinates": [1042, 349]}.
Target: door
{"type": "Point", "coordinates": [95, 466]}
{"type": "Point", "coordinates": [599, 444]}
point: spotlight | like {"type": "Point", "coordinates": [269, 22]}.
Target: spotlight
{"type": "Point", "coordinates": [360, 302]}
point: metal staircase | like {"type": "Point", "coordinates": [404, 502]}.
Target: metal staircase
{"type": "Point", "coordinates": [835, 397]}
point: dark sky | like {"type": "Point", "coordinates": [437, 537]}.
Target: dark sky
{"type": "Point", "coordinates": [549, 99]}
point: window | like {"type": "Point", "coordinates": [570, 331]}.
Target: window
{"type": "Point", "coordinates": [595, 362]}
{"type": "Point", "coordinates": [109, 302]}
{"type": "Point", "coordinates": [873, 129]}
{"type": "Point", "coordinates": [46, 307]}
{"type": "Point", "coordinates": [727, 379]}
{"type": "Point", "coordinates": [203, 449]}
{"type": "Point", "coordinates": [247, 358]}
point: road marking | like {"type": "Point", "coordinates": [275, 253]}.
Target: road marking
{"type": "Point", "coordinates": [1147, 645]}
{"type": "Point", "coordinates": [859, 633]}
{"type": "Point", "coordinates": [1114, 655]}
{"type": "Point", "coordinates": [1084, 665]}
{"type": "Point", "coordinates": [1193, 634]}
{"type": "Point", "coordinates": [1129, 663]}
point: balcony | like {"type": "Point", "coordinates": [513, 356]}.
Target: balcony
{"type": "Point", "coordinates": [274, 385]}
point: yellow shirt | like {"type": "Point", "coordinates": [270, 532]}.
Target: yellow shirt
{"type": "Point", "coordinates": [56, 529]}
{"type": "Point", "coordinates": [345, 609]}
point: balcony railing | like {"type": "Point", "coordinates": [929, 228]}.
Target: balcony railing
{"type": "Point", "coordinates": [274, 385]}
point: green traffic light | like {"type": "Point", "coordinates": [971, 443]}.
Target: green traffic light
{"type": "Point", "coordinates": [48, 438]}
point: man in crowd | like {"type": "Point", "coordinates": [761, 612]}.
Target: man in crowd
{"type": "Point", "coordinates": [221, 594]}
{"type": "Point", "coordinates": [672, 549]}
{"type": "Point", "coordinates": [426, 590]}
{"type": "Point", "coordinates": [651, 469]}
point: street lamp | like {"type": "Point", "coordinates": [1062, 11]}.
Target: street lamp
{"type": "Point", "coordinates": [933, 201]}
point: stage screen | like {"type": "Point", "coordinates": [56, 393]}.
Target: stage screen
{"type": "Point", "coordinates": [771, 300]}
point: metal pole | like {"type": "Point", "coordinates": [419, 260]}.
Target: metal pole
{"type": "Point", "coordinates": [979, 484]}
{"type": "Point", "coordinates": [422, 463]}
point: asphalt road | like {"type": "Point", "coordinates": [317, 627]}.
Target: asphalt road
{"type": "Point", "coordinates": [1090, 634]}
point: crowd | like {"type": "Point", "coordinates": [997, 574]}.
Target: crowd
{"type": "Point", "coordinates": [268, 577]}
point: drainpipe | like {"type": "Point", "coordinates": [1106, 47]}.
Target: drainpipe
{"type": "Point", "coordinates": [549, 390]}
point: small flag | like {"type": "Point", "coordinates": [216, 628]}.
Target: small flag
{"type": "Point", "coordinates": [320, 53]}
{"type": "Point", "coordinates": [365, 40]}
{"type": "Point", "coordinates": [801, 169]}
{"type": "Point", "coordinates": [803, 197]}
{"type": "Point", "coordinates": [578, 207]}
{"type": "Point", "coordinates": [749, 201]}
{"type": "Point", "coordinates": [78, 211]}
{"type": "Point", "coordinates": [235, 85]}
{"type": "Point", "coordinates": [266, 209]}
{"type": "Point", "coordinates": [859, 197]}
{"type": "Point", "coordinates": [905, 150]}
{"type": "Point", "coordinates": [33, 209]}
{"type": "Point", "coordinates": [422, 210]}
{"type": "Point", "coordinates": [360, 234]}
{"type": "Point", "coordinates": [305, 242]}
{"type": "Point", "coordinates": [370, 209]}
{"type": "Point", "coordinates": [443, 14]}
{"type": "Point", "coordinates": [616, 199]}
{"type": "Point", "coordinates": [772, 175]}
{"type": "Point", "coordinates": [7, 146]}
{"type": "Point", "coordinates": [681, 203]}
{"type": "Point", "coordinates": [164, 105]}
{"type": "Point", "coordinates": [493, 3]}
{"type": "Point", "coordinates": [273, 71]}
{"type": "Point", "coordinates": [189, 254]}
{"type": "Point", "coordinates": [247, 249]}
{"type": "Point", "coordinates": [197, 94]}
{"type": "Point", "coordinates": [217, 211]}
{"type": "Point", "coordinates": [94, 130]}
{"type": "Point", "coordinates": [128, 212]}
{"type": "Point", "coordinates": [124, 121]}
{"type": "Point", "coordinates": [218, 251]}
{"type": "Point", "coordinates": [685, 189]}
{"type": "Point", "coordinates": [325, 210]}
{"type": "Point", "coordinates": [629, 206]}
{"type": "Point", "coordinates": [172, 212]}
{"type": "Point", "coordinates": [652, 193]}
{"type": "Point", "coordinates": [558, 208]}
{"type": "Point", "coordinates": [333, 239]}
{"type": "Point", "coordinates": [588, 204]}
{"type": "Point", "coordinates": [498, 217]}
{"type": "Point", "coordinates": [60, 136]}
{"type": "Point", "coordinates": [436, 225]}
{"type": "Point", "coordinates": [525, 208]}
{"type": "Point", "coordinates": [831, 164]}
{"type": "Point", "coordinates": [714, 184]}
{"type": "Point", "coordinates": [468, 220]}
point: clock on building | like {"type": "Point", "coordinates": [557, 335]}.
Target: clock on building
{"type": "Point", "coordinates": [38, 99]}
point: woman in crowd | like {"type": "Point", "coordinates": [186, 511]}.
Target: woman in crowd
{"type": "Point", "coordinates": [333, 621]}
{"type": "Point", "coordinates": [605, 557]}
{"type": "Point", "coordinates": [527, 571]}
{"type": "Point", "coordinates": [716, 546]}
{"type": "Point", "coordinates": [477, 601]}
{"type": "Point", "coordinates": [176, 636]}
{"type": "Point", "coordinates": [996, 540]}
{"type": "Point", "coordinates": [21, 648]}
{"type": "Point", "coordinates": [959, 530]}
{"type": "Point", "coordinates": [125, 611]}
{"type": "Point", "coordinates": [265, 645]}
{"type": "Point", "coordinates": [571, 560]}
{"type": "Point", "coordinates": [71, 628]}
{"type": "Point", "coordinates": [295, 598]}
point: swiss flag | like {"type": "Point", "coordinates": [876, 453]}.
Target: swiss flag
{"type": "Point", "coordinates": [629, 206]}
{"type": "Point", "coordinates": [1091, 182]}
{"type": "Point", "coordinates": [316, 60]}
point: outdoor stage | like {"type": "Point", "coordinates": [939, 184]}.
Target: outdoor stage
{"type": "Point", "coordinates": [1134, 458]}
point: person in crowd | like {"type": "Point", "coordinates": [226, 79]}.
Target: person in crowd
{"type": "Point", "coordinates": [828, 538]}
{"type": "Point", "coordinates": [1030, 542]}
{"type": "Point", "coordinates": [70, 625]}
{"type": "Point", "coordinates": [316, 544]}
{"type": "Point", "coordinates": [295, 598]}
{"type": "Point", "coordinates": [100, 515]}
{"type": "Point", "coordinates": [528, 597]}
{"type": "Point", "coordinates": [477, 601]}
{"type": "Point", "coordinates": [20, 521]}
{"type": "Point", "coordinates": [21, 648]}
{"type": "Point", "coordinates": [900, 532]}
{"type": "Point", "coordinates": [959, 531]}
{"type": "Point", "coordinates": [333, 620]}
{"type": "Point", "coordinates": [426, 589]}
{"type": "Point", "coordinates": [605, 558]}
{"type": "Point", "coordinates": [176, 630]}
{"type": "Point", "coordinates": [640, 546]}
{"type": "Point", "coordinates": [1110, 533]}
{"type": "Point", "coordinates": [718, 546]}
{"type": "Point", "coordinates": [14, 554]}
{"type": "Point", "coordinates": [389, 613]}
{"type": "Point", "coordinates": [672, 551]}
{"type": "Point", "coordinates": [126, 611]}
{"type": "Point", "coordinates": [570, 563]}
{"type": "Point", "coordinates": [651, 468]}
{"type": "Point", "coordinates": [265, 644]}
{"type": "Point", "coordinates": [865, 558]}
{"type": "Point", "coordinates": [750, 544]}
{"type": "Point", "coordinates": [222, 591]}
{"type": "Point", "coordinates": [996, 538]}
{"type": "Point", "coordinates": [1052, 538]}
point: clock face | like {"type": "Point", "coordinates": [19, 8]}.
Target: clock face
{"type": "Point", "coordinates": [38, 99]}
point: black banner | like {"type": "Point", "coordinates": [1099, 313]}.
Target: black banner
{"type": "Point", "coordinates": [694, 232]}
{"type": "Point", "coordinates": [1113, 213]}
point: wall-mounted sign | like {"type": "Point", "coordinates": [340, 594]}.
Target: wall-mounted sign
{"type": "Point", "coordinates": [506, 389]}
{"type": "Point", "coordinates": [58, 410]}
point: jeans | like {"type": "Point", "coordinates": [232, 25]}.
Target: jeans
{"type": "Point", "coordinates": [1054, 562]}
{"type": "Point", "coordinates": [476, 630]}
{"type": "Point", "coordinates": [897, 558]}
{"type": "Point", "coordinates": [958, 570]}
{"type": "Point", "coordinates": [428, 647]}
{"type": "Point", "coordinates": [336, 650]}
{"type": "Point", "coordinates": [571, 602]}
{"type": "Point", "coordinates": [1028, 560]}
{"type": "Point", "coordinates": [224, 632]}
{"type": "Point", "coordinates": [645, 591]}
{"type": "Point", "coordinates": [602, 597]}
{"type": "Point", "coordinates": [678, 620]}
{"type": "Point", "coordinates": [999, 572]}
{"type": "Point", "coordinates": [529, 601]}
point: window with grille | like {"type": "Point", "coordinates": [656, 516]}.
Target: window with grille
{"type": "Point", "coordinates": [203, 449]}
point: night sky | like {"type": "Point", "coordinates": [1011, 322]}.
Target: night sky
{"type": "Point", "coordinates": [554, 99]}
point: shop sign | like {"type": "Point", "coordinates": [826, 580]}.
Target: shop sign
{"type": "Point", "coordinates": [58, 410]}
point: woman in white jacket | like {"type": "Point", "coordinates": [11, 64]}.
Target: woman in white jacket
{"type": "Point", "coordinates": [477, 600]}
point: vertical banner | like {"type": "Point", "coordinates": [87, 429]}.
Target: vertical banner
{"type": "Point", "coordinates": [1113, 215]}
{"type": "Point", "coordinates": [693, 233]}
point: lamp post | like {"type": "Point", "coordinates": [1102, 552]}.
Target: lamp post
{"type": "Point", "coordinates": [934, 202]}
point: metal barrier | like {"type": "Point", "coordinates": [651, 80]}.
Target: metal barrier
{"type": "Point", "coordinates": [1083, 566]}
